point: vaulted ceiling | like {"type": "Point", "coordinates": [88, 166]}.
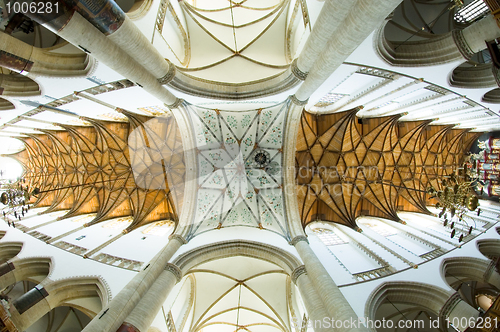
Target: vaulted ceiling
{"type": "Point", "coordinates": [214, 39]}
{"type": "Point", "coordinates": [347, 167]}
{"type": "Point", "coordinates": [112, 169]}
{"type": "Point", "coordinates": [239, 168]}
{"type": "Point", "coordinates": [242, 294]}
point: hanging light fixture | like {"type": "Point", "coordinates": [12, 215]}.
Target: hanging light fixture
{"type": "Point", "coordinates": [15, 198]}
{"type": "Point", "coordinates": [456, 199]}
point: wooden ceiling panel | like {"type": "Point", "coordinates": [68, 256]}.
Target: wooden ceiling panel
{"type": "Point", "coordinates": [371, 167]}
{"type": "Point", "coordinates": [88, 170]}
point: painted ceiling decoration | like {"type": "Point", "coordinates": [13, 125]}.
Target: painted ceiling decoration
{"type": "Point", "coordinates": [239, 168]}
{"type": "Point", "coordinates": [348, 167]}
{"type": "Point", "coordinates": [112, 169]}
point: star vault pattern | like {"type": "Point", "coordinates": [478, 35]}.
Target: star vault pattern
{"type": "Point", "coordinates": [239, 168]}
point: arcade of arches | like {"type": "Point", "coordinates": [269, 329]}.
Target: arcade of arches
{"type": "Point", "coordinates": [248, 165]}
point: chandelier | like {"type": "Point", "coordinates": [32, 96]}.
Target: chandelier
{"type": "Point", "coordinates": [15, 197]}
{"type": "Point", "coordinates": [455, 200]}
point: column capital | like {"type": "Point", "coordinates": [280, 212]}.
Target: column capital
{"type": "Point", "coordinates": [175, 271]}
{"type": "Point", "coordinates": [178, 102]}
{"type": "Point", "coordinates": [462, 45]}
{"type": "Point", "coordinates": [169, 75]}
{"type": "Point", "coordinates": [178, 237]}
{"type": "Point", "coordinates": [300, 270]}
{"type": "Point", "coordinates": [299, 238]}
{"type": "Point", "coordinates": [298, 102]}
{"type": "Point", "coordinates": [297, 72]}
{"type": "Point", "coordinates": [448, 306]}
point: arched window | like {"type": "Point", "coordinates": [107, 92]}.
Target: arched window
{"type": "Point", "coordinates": [328, 237]}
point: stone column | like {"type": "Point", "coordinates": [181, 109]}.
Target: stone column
{"type": "Point", "coordinates": [294, 114]}
{"type": "Point", "coordinates": [312, 301]}
{"type": "Point", "coordinates": [335, 303]}
{"type": "Point", "coordinates": [115, 24]}
{"type": "Point", "coordinates": [331, 16]}
{"type": "Point", "coordinates": [472, 39]}
{"type": "Point", "coordinates": [457, 312]}
{"type": "Point", "coordinates": [74, 28]}
{"type": "Point", "coordinates": [145, 312]}
{"type": "Point", "coordinates": [124, 302]}
{"type": "Point", "coordinates": [363, 18]}
{"type": "Point", "coordinates": [29, 307]}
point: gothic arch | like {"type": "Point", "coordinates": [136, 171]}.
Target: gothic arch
{"type": "Point", "coordinates": [6, 105]}
{"type": "Point", "coordinates": [434, 304]}
{"type": "Point", "coordinates": [226, 262]}
{"type": "Point", "coordinates": [71, 292]}
{"type": "Point", "coordinates": [226, 249]}
{"type": "Point", "coordinates": [473, 279]}
{"type": "Point", "coordinates": [17, 85]}
{"type": "Point", "coordinates": [472, 75]}
{"type": "Point", "coordinates": [33, 269]}
{"type": "Point", "coordinates": [490, 248]}
{"type": "Point", "coordinates": [410, 39]}
{"type": "Point", "coordinates": [492, 96]}
{"type": "Point", "coordinates": [68, 292]}
{"type": "Point", "coordinates": [9, 250]}
{"type": "Point", "coordinates": [457, 270]}
{"type": "Point", "coordinates": [416, 54]}
{"type": "Point", "coordinates": [423, 296]}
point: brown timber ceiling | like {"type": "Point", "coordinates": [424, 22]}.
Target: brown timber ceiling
{"type": "Point", "coordinates": [347, 167]}
{"type": "Point", "coordinates": [112, 169]}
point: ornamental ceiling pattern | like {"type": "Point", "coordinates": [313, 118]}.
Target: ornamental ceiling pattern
{"type": "Point", "coordinates": [220, 37]}
{"type": "Point", "coordinates": [239, 168]}
{"type": "Point", "coordinates": [347, 167]}
{"type": "Point", "coordinates": [112, 169]}
{"type": "Point", "coordinates": [243, 294]}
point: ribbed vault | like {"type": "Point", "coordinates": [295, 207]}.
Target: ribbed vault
{"type": "Point", "coordinates": [112, 169]}
{"type": "Point", "coordinates": [348, 167]}
{"type": "Point", "coordinates": [239, 162]}
{"type": "Point", "coordinates": [235, 34]}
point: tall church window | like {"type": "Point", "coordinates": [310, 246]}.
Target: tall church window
{"type": "Point", "coordinates": [328, 237]}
